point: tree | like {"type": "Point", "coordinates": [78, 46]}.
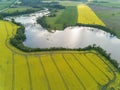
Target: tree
{"type": "Point", "coordinates": [30, 1]}
{"type": "Point", "coordinates": [1, 17]}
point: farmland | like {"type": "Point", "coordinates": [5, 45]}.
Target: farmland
{"type": "Point", "coordinates": [107, 3]}
{"type": "Point", "coordinates": [109, 15]}
{"type": "Point", "coordinates": [87, 16]}
{"type": "Point", "coordinates": [58, 22]}
{"type": "Point", "coordinates": [70, 16]}
{"type": "Point", "coordinates": [5, 4]}
{"type": "Point", "coordinates": [107, 11]}
{"type": "Point", "coordinates": [59, 70]}
{"type": "Point", "coordinates": [18, 9]}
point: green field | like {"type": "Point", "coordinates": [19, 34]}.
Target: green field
{"type": "Point", "coordinates": [110, 16]}
{"type": "Point", "coordinates": [107, 10]}
{"type": "Point", "coordinates": [70, 16]}
{"type": "Point", "coordinates": [108, 3]}
{"type": "Point", "coordinates": [18, 9]}
{"type": "Point", "coordinates": [60, 70]}
{"type": "Point", "coordinates": [52, 20]}
{"type": "Point", "coordinates": [64, 17]}
{"type": "Point", "coordinates": [5, 4]}
{"type": "Point", "coordinates": [70, 3]}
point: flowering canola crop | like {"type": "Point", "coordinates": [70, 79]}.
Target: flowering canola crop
{"type": "Point", "coordinates": [74, 70]}
{"type": "Point", "coordinates": [87, 16]}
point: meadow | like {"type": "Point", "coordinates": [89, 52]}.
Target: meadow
{"type": "Point", "coordinates": [61, 70]}
{"type": "Point", "coordinates": [5, 4]}
{"type": "Point", "coordinates": [109, 15]}
{"type": "Point", "coordinates": [107, 3]}
{"type": "Point", "coordinates": [63, 18]}
{"type": "Point", "coordinates": [18, 9]}
{"type": "Point", "coordinates": [70, 3]}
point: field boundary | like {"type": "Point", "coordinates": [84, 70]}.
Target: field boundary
{"type": "Point", "coordinates": [74, 72]}
{"type": "Point", "coordinates": [48, 84]}
{"type": "Point", "coordinates": [59, 72]}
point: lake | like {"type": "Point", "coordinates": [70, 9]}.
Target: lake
{"type": "Point", "coordinates": [70, 37]}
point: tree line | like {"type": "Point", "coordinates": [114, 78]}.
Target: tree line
{"type": "Point", "coordinates": [20, 37]}
{"type": "Point", "coordinates": [99, 27]}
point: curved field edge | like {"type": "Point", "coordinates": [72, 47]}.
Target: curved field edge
{"type": "Point", "coordinates": [19, 37]}
{"type": "Point", "coordinates": [12, 59]}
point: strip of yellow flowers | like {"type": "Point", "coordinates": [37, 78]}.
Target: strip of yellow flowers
{"type": "Point", "coordinates": [87, 16]}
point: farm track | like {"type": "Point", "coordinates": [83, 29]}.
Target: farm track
{"type": "Point", "coordinates": [13, 74]}
{"type": "Point", "coordinates": [53, 60]}
{"type": "Point", "coordinates": [110, 69]}
{"type": "Point", "coordinates": [86, 70]}
{"type": "Point", "coordinates": [98, 68]}
{"type": "Point", "coordinates": [80, 81]}
{"type": "Point", "coordinates": [48, 84]}
{"type": "Point", "coordinates": [29, 73]}
{"type": "Point", "coordinates": [67, 88]}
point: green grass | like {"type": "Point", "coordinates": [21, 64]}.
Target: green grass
{"type": "Point", "coordinates": [69, 16]}
{"type": "Point", "coordinates": [52, 20]}
{"type": "Point", "coordinates": [18, 9]}
{"type": "Point", "coordinates": [64, 17]}
{"type": "Point", "coordinates": [69, 3]}
{"type": "Point", "coordinates": [115, 4]}
{"type": "Point", "coordinates": [5, 4]}
{"type": "Point", "coordinates": [108, 3]}
{"type": "Point", "coordinates": [110, 16]}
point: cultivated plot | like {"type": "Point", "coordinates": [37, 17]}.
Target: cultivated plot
{"type": "Point", "coordinates": [75, 70]}
{"type": "Point", "coordinates": [87, 16]}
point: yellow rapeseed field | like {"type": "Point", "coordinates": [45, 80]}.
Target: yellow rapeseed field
{"type": "Point", "coordinates": [100, 65]}
{"type": "Point", "coordinates": [70, 79]}
{"type": "Point", "coordinates": [87, 16]}
{"type": "Point", "coordinates": [38, 77]}
{"type": "Point", "coordinates": [61, 70]}
{"type": "Point", "coordinates": [94, 72]}
{"type": "Point", "coordinates": [5, 58]}
{"type": "Point", "coordinates": [21, 73]}
{"type": "Point", "coordinates": [81, 72]}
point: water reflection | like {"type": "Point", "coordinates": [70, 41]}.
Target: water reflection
{"type": "Point", "coordinates": [71, 37]}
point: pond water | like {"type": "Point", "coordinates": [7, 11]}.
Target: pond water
{"type": "Point", "coordinates": [71, 37]}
